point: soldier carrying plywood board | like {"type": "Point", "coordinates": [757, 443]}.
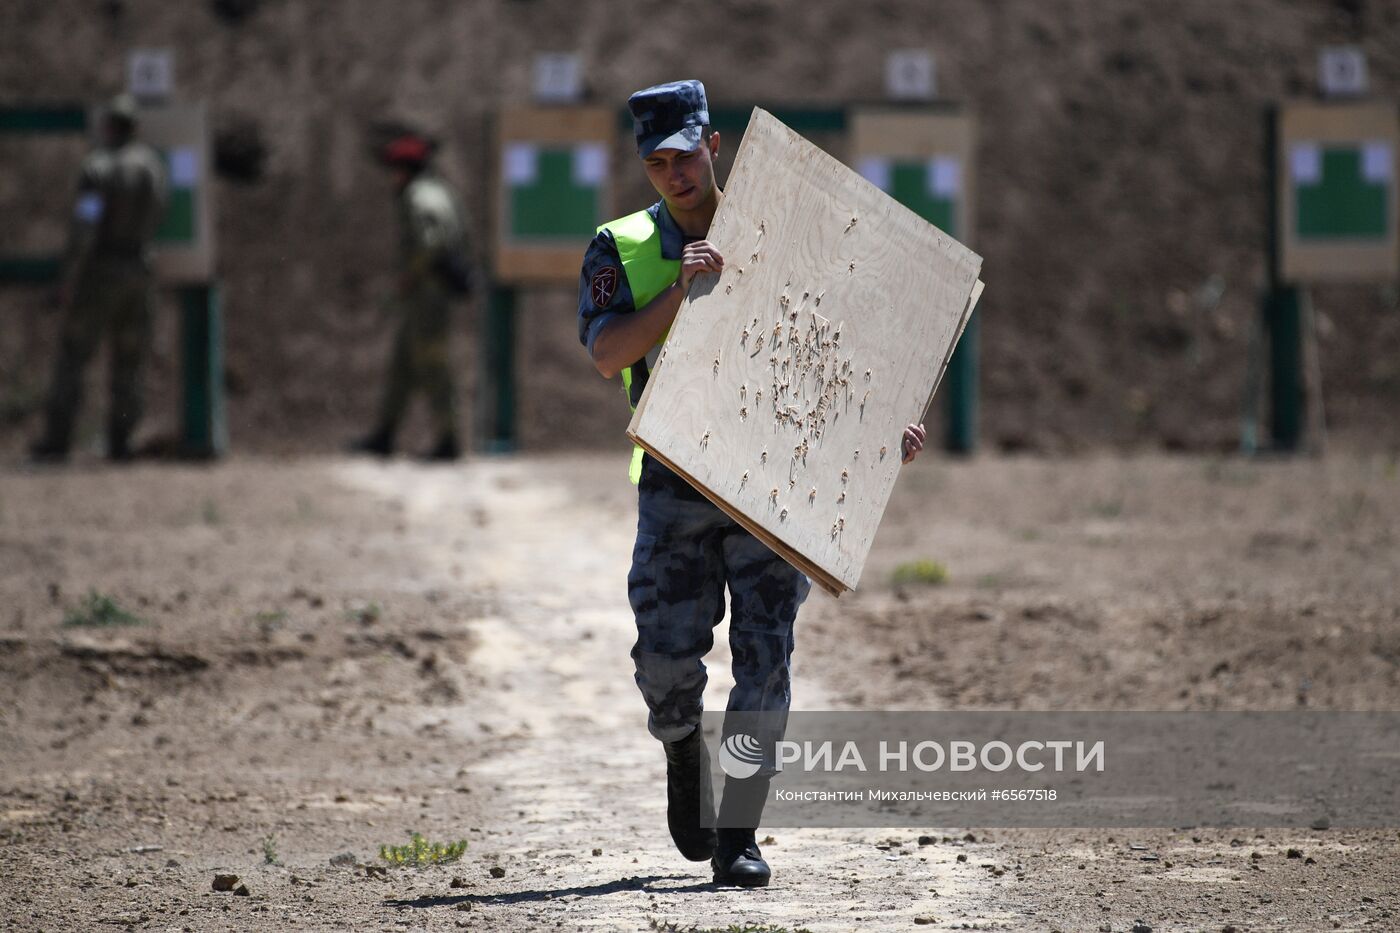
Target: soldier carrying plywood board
{"type": "Point", "coordinates": [695, 536]}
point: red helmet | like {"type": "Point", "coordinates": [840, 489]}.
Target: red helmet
{"type": "Point", "coordinates": [408, 150]}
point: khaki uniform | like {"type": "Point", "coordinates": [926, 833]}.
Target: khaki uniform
{"type": "Point", "coordinates": [120, 201]}
{"type": "Point", "coordinates": [430, 233]}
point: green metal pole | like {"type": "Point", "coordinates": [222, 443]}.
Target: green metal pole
{"type": "Point", "coordinates": [961, 380]}
{"type": "Point", "coordinates": [1284, 319]}
{"type": "Point", "coordinates": [500, 365]}
{"type": "Point", "coordinates": [205, 431]}
{"type": "Point", "coordinates": [37, 119]}
{"type": "Point", "coordinates": [31, 270]}
{"type": "Point", "coordinates": [1282, 315]}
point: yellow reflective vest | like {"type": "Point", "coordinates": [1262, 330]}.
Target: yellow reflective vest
{"type": "Point", "coordinates": [648, 274]}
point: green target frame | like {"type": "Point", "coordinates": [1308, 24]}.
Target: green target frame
{"type": "Point", "coordinates": [553, 189]}
{"type": "Point", "coordinates": [1335, 192]}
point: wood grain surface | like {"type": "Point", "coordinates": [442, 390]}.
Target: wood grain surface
{"type": "Point", "coordinates": [786, 382]}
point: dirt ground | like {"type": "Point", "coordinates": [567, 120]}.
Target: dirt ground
{"type": "Point", "coordinates": [334, 653]}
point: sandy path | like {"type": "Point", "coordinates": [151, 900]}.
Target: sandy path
{"type": "Point", "coordinates": [584, 774]}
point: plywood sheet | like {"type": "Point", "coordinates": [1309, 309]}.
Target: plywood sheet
{"type": "Point", "coordinates": [1336, 168]}
{"type": "Point", "coordinates": [553, 188]}
{"type": "Point", "coordinates": [785, 384]}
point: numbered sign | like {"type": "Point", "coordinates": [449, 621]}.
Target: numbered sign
{"type": "Point", "coordinates": [922, 160]}
{"type": "Point", "coordinates": [553, 191]}
{"type": "Point", "coordinates": [1341, 71]}
{"type": "Point", "coordinates": [558, 78]}
{"type": "Point", "coordinates": [909, 74]}
{"type": "Point", "coordinates": [1336, 195]}
{"type": "Point", "coordinates": [150, 74]}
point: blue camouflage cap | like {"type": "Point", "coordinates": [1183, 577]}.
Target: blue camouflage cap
{"type": "Point", "coordinates": [669, 116]}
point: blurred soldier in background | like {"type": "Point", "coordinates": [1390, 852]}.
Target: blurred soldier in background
{"type": "Point", "coordinates": [106, 284]}
{"type": "Point", "coordinates": [432, 272]}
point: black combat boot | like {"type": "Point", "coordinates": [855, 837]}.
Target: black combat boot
{"type": "Point", "coordinates": [447, 448]}
{"type": "Point", "coordinates": [737, 860]}
{"type": "Point", "coordinates": [119, 448]}
{"type": "Point", "coordinates": [690, 801]}
{"type": "Point", "coordinates": [48, 451]}
{"type": "Point", "coordinates": [379, 443]}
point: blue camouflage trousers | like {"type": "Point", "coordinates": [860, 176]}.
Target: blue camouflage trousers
{"type": "Point", "coordinates": [687, 552]}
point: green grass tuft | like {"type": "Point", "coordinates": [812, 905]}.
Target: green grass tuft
{"type": "Point", "coordinates": [420, 851]}
{"type": "Point", "coordinates": [98, 610]}
{"type": "Point", "coordinates": [269, 845]}
{"type": "Point", "coordinates": [930, 572]}
{"type": "Point", "coordinates": [363, 613]}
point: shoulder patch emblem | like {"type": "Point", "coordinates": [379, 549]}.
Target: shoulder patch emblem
{"type": "Point", "coordinates": [603, 286]}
